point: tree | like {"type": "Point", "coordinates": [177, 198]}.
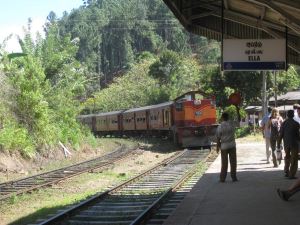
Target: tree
{"type": "Point", "coordinates": [247, 83]}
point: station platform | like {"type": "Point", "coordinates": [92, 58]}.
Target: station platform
{"type": "Point", "coordinates": [252, 200]}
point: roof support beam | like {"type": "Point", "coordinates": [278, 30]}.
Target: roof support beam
{"type": "Point", "coordinates": [240, 18]}
{"type": "Point", "coordinates": [262, 13]}
{"type": "Point", "coordinates": [291, 20]}
{"type": "Point", "coordinates": [226, 4]}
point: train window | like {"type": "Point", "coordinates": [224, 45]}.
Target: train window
{"type": "Point", "coordinates": [179, 106]}
{"type": "Point", "coordinates": [188, 97]}
{"type": "Point", "coordinates": [144, 120]}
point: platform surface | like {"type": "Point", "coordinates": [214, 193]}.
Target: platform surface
{"type": "Point", "coordinates": [252, 200]}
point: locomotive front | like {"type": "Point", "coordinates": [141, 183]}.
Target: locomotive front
{"type": "Point", "coordinates": [194, 119]}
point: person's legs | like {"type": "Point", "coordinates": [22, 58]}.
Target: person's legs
{"type": "Point", "coordinates": [293, 163]}
{"type": "Point", "coordinates": [232, 158]}
{"type": "Point", "coordinates": [287, 161]}
{"type": "Point", "coordinates": [273, 147]}
{"type": "Point", "coordinates": [224, 165]}
{"type": "Point", "coordinates": [268, 153]}
{"type": "Point", "coordinates": [294, 188]}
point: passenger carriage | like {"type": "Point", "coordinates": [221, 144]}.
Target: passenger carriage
{"type": "Point", "coordinates": [160, 118]}
{"type": "Point", "coordinates": [108, 123]}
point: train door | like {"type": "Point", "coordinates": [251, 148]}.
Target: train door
{"type": "Point", "coordinates": [167, 119]}
{"type": "Point", "coordinates": [147, 119]}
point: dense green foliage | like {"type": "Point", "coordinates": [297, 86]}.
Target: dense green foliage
{"type": "Point", "coordinates": [112, 33]}
{"type": "Point", "coordinates": [46, 80]}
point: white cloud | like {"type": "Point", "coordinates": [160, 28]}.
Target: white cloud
{"type": "Point", "coordinates": [12, 44]}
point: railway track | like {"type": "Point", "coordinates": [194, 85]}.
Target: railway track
{"type": "Point", "coordinates": [28, 184]}
{"type": "Point", "coordinates": [178, 194]}
{"type": "Point", "coordinates": [134, 201]}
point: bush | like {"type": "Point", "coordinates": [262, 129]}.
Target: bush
{"type": "Point", "coordinates": [16, 138]}
{"type": "Point", "coordinates": [242, 132]}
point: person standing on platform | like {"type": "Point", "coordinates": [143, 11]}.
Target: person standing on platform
{"type": "Point", "coordinates": [274, 125]}
{"type": "Point", "coordinates": [226, 142]}
{"type": "Point", "coordinates": [266, 132]}
{"type": "Point", "coordinates": [289, 132]}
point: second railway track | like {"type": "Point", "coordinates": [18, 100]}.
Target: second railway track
{"type": "Point", "coordinates": [27, 184]}
{"type": "Point", "coordinates": [135, 200]}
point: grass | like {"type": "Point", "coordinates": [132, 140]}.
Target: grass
{"type": "Point", "coordinates": [252, 137]}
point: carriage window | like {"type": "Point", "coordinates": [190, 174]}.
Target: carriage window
{"type": "Point", "coordinates": [188, 97]}
{"type": "Point", "coordinates": [178, 106]}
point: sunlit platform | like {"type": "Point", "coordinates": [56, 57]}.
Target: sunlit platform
{"type": "Point", "coordinates": [252, 200]}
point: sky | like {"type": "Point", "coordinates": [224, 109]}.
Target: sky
{"type": "Point", "coordinates": [14, 15]}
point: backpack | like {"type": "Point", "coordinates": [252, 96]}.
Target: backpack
{"type": "Point", "coordinates": [275, 127]}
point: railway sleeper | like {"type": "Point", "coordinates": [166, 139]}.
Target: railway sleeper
{"type": "Point", "coordinates": [112, 212]}
{"type": "Point", "coordinates": [75, 222]}
{"type": "Point", "coordinates": [130, 199]}
{"type": "Point", "coordinates": [125, 203]}
{"type": "Point", "coordinates": [123, 208]}
{"type": "Point", "coordinates": [155, 222]}
{"type": "Point", "coordinates": [105, 217]}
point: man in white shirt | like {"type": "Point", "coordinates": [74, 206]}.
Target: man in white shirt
{"type": "Point", "coordinates": [267, 132]}
{"type": "Point", "coordinates": [226, 142]}
{"type": "Point", "coordinates": [296, 108]}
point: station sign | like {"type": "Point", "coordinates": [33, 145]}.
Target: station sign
{"type": "Point", "coordinates": [254, 54]}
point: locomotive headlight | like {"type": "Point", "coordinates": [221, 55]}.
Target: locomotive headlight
{"type": "Point", "coordinates": [197, 102]}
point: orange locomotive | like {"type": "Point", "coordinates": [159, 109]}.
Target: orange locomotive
{"type": "Point", "coordinates": [190, 120]}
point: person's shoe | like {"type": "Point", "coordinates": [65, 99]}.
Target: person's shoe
{"type": "Point", "coordinates": [283, 195]}
{"type": "Point", "coordinates": [286, 175]}
{"type": "Point", "coordinates": [292, 178]}
{"type": "Point", "coordinates": [234, 179]}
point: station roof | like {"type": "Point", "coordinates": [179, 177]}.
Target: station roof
{"type": "Point", "coordinates": [243, 19]}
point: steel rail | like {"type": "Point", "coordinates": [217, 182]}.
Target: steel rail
{"type": "Point", "coordinates": [28, 184]}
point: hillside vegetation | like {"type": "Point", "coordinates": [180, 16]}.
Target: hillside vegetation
{"type": "Point", "coordinates": [109, 55]}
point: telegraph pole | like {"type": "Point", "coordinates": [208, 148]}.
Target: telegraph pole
{"type": "Point", "coordinates": [264, 92]}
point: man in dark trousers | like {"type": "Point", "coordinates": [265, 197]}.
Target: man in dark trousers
{"type": "Point", "coordinates": [226, 141]}
{"type": "Point", "coordinates": [289, 132]}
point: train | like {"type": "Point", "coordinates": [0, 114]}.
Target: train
{"type": "Point", "coordinates": [190, 120]}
